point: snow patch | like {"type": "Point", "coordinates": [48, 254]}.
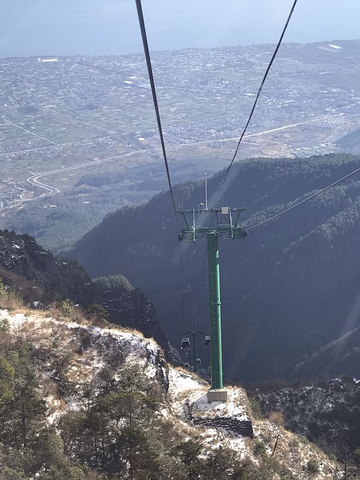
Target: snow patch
{"type": "Point", "coordinates": [181, 382]}
{"type": "Point", "coordinates": [336, 47]}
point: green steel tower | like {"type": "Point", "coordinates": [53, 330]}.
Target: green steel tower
{"type": "Point", "coordinates": [223, 222]}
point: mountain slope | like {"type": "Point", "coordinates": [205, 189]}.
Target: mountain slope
{"type": "Point", "coordinates": [43, 280]}
{"type": "Point", "coordinates": [288, 289]}
{"type": "Point", "coordinates": [103, 403]}
{"type": "Point", "coordinates": [326, 412]}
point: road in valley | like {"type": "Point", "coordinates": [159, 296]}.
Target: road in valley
{"type": "Point", "coordinates": [51, 190]}
{"type": "Point", "coordinates": [34, 178]}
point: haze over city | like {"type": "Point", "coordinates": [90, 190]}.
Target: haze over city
{"type": "Point", "coordinates": [105, 27]}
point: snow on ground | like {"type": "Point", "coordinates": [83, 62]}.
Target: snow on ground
{"type": "Point", "coordinates": [187, 402]}
{"type": "Point", "coordinates": [182, 382]}
{"type": "Point", "coordinates": [188, 396]}
{"type": "Point", "coordinates": [186, 389]}
{"type": "Point", "coordinates": [188, 399]}
{"type": "Point", "coordinates": [63, 337]}
{"type": "Point", "coordinates": [236, 406]}
{"type": "Point", "coordinates": [41, 329]}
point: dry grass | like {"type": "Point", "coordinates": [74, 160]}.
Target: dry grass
{"type": "Point", "coordinates": [277, 417]}
{"type": "Point", "coordinates": [25, 311]}
{"type": "Point", "coordinates": [68, 312]}
{"type": "Point", "coordinates": [100, 322]}
{"type": "Point", "coordinates": [119, 328]}
{"type": "Point", "coordinates": [10, 300]}
{"type": "Point", "coordinates": [26, 289]}
{"type": "Point", "coordinates": [186, 393]}
{"type": "Point", "coordinates": [194, 375]}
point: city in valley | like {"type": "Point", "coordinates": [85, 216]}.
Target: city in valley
{"type": "Point", "coordinates": [79, 136]}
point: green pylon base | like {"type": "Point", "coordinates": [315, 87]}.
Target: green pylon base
{"type": "Point", "coordinates": [217, 396]}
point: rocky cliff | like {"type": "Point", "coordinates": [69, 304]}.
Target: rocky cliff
{"type": "Point", "coordinates": [41, 279]}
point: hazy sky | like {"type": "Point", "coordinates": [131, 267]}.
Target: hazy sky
{"type": "Point", "coordinates": [64, 27]}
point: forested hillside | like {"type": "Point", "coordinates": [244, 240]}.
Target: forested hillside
{"type": "Point", "coordinates": [326, 412]}
{"type": "Point", "coordinates": [290, 290]}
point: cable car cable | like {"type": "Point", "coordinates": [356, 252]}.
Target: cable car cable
{"type": "Point", "coordinates": [158, 119]}
{"type": "Point", "coordinates": [257, 97]}
{"type": "Point", "coordinates": [305, 199]}
{"type": "Point", "coordinates": [153, 91]}
{"type": "Point", "coordinates": [310, 197]}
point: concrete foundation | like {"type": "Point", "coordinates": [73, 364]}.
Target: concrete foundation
{"type": "Point", "coordinates": [217, 396]}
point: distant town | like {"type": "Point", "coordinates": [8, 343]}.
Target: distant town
{"type": "Point", "coordinates": [64, 117]}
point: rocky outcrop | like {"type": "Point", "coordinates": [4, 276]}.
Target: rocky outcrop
{"type": "Point", "coordinates": [129, 307]}
{"type": "Point", "coordinates": [58, 279]}
{"type": "Point", "coordinates": [231, 424]}
{"type": "Point", "coordinates": [41, 279]}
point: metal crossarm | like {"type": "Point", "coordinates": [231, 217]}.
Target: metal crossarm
{"type": "Point", "coordinates": [224, 221]}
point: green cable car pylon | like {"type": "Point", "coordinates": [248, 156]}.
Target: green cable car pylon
{"type": "Point", "coordinates": [222, 222]}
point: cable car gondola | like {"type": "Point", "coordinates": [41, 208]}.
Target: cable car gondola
{"type": "Point", "coordinates": [185, 343]}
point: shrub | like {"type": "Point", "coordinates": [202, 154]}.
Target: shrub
{"type": "Point", "coordinates": [71, 311]}
{"type": "Point", "coordinates": [85, 338]}
{"type": "Point", "coordinates": [277, 417]}
{"type": "Point", "coordinates": [256, 409]}
{"type": "Point", "coordinates": [4, 326]}
{"type": "Point", "coordinates": [98, 315]}
{"type": "Point", "coordinates": [259, 448]}
{"type": "Point", "coordinates": [312, 466]}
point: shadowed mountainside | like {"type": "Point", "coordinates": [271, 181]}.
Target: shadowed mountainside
{"type": "Point", "coordinates": [290, 290]}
